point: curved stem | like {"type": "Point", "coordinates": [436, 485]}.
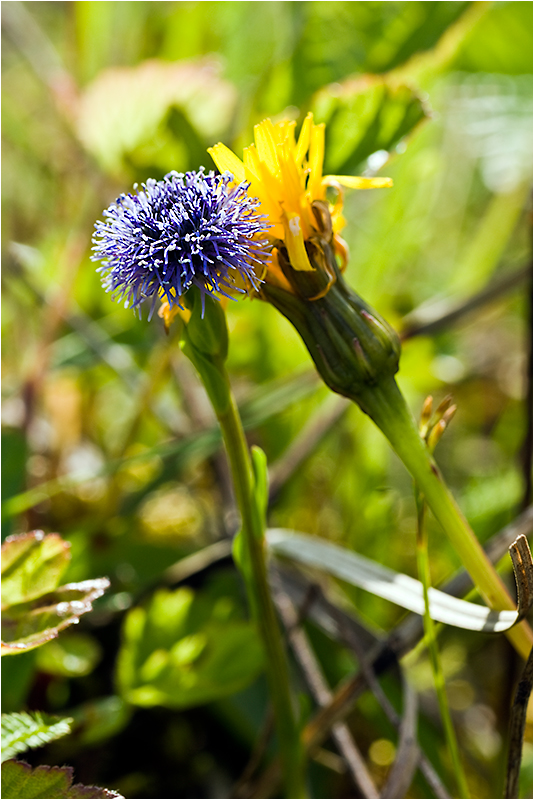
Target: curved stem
{"type": "Point", "coordinates": [387, 408]}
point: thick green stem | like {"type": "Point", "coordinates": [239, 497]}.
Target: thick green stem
{"type": "Point", "coordinates": [387, 408]}
{"type": "Point", "coordinates": [253, 532]}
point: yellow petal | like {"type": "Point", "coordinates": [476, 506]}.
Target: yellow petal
{"type": "Point", "coordinates": [227, 161]}
{"type": "Point", "coordinates": [285, 132]}
{"type": "Point", "coordinates": [294, 241]}
{"type": "Point", "coordinates": [264, 136]}
{"type": "Point", "coordinates": [316, 158]}
{"type": "Point", "coordinates": [304, 139]}
{"type": "Point", "coordinates": [290, 178]}
{"type": "Point", "coordinates": [262, 184]}
{"type": "Point", "coordinates": [355, 182]}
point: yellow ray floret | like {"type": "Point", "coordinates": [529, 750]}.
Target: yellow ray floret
{"type": "Point", "coordinates": [287, 177]}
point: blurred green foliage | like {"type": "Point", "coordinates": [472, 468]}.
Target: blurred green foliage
{"type": "Point", "coordinates": [107, 428]}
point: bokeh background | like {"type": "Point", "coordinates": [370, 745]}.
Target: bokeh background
{"type": "Point", "coordinates": [107, 436]}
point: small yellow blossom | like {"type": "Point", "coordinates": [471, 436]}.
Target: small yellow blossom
{"type": "Point", "coordinates": [286, 175]}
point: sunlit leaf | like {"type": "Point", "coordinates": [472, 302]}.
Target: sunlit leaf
{"type": "Point", "coordinates": [365, 116]}
{"type": "Point", "coordinates": [19, 780]}
{"type": "Point", "coordinates": [25, 731]}
{"type": "Point", "coordinates": [32, 565]}
{"type": "Point", "coordinates": [30, 625]}
{"type": "Point", "coordinates": [183, 650]}
{"type": "Point", "coordinates": [383, 582]}
{"type": "Point", "coordinates": [33, 609]}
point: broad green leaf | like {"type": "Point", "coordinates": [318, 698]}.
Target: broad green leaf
{"type": "Point", "coordinates": [19, 780]}
{"type": "Point", "coordinates": [383, 582]}
{"type": "Point", "coordinates": [184, 649]}
{"type": "Point", "coordinates": [26, 731]}
{"type": "Point", "coordinates": [365, 116]}
{"type": "Point", "coordinates": [123, 115]}
{"type": "Point", "coordinates": [32, 565]}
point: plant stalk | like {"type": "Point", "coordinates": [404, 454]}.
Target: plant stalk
{"type": "Point", "coordinates": [291, 753]}
{"type": "Point", "coordinates": [387, 408]}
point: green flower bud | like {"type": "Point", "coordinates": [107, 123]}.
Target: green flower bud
{"type": "Point", "coordinates": [352, 347]}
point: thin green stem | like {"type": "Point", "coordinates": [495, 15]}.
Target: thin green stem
{"type": "Point", "coordinates": [389, 411]}
{"type": "Point", "coordinates": [431, 640]}
{"type": "Point", "coordinates": [253, 532]}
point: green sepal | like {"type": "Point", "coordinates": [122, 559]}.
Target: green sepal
{"type": "Point", "coordinates": [352, 347]}
{"type": "Point", "coordinates": [207, 326]}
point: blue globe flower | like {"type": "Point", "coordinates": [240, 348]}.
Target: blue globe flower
{"type": "Point", "coordinates": [191, 229]}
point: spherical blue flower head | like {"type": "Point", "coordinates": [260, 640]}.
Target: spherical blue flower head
{"type": "Point", "coordinates": [187, 230]}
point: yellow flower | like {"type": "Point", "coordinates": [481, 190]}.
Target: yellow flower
{"type": "Point", "coordinates": [286, 175]}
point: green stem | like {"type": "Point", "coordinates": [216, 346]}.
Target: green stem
{"type": "Point", "coordinates": [435, 661]}
{"type": "Point", "coordinates": [253, 532]}
{"type": "Point", "coordinates": [387, 407]}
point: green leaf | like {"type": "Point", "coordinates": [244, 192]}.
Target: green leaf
{"type": "Point", "coordinates": [340, 39]}
{"type": "Point", "coordinates": [364, 116]}
{"type": "Point", "coordinates": [32, 565]}
{"type": "Point", "coordinates": [34, 610]}
{"type": "Point", "coordinates": [25, 731]}
{"type": "Point", "coordinates": [183, 650]}
{"type": "Point", "coordinates": [30, 625]}
{"type": "Point", "coordinates": [19, 780]}
{"type": "Point", "coordinates": [383, 582]}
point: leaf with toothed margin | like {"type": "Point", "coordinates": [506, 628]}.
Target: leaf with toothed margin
{"type": "Point", "coordinates": [19, 780]}
{"type": "Point", "coordinates": [34, 608]}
